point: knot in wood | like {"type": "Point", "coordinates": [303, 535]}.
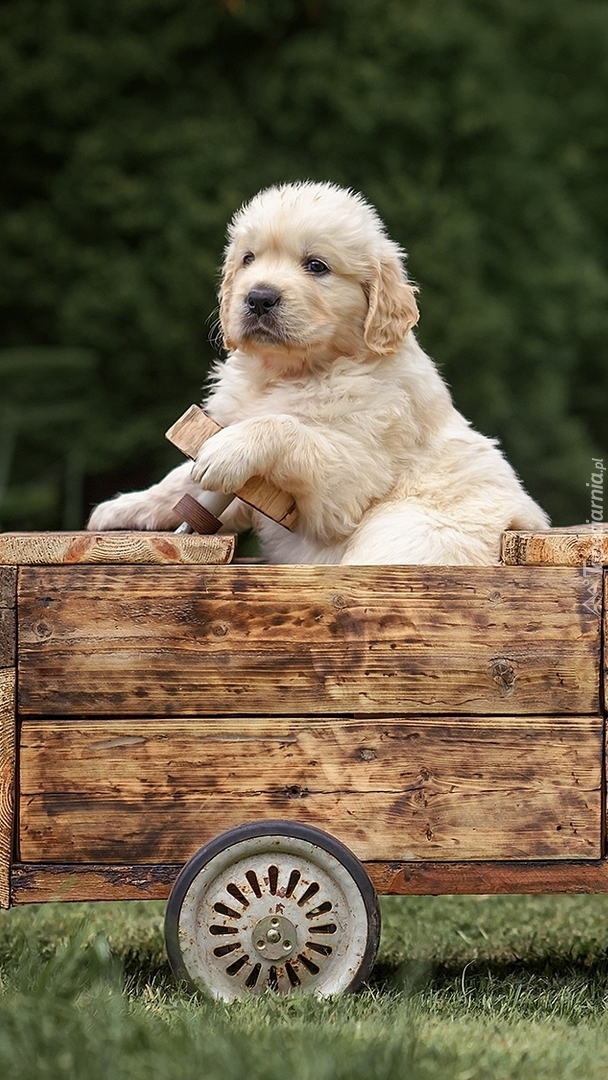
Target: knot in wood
{"type": "Point", "coordinates": [367, 755]}
{"type": "Point", "coordinates": [340, 601]}
{"type": "Point", "coordinates": [43, 630]}
{"type": "Point", "coordinates": [503, 673]}
{"type": "Point", "coordinates": [219, 630]}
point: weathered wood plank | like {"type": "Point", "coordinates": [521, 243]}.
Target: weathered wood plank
{"type": "Point", "coordinates": [470, 878]}
{"type": "Point", "coordinates": [306, 639]}
{"type": "Point", "coordinates": [8, 585]}
{"type": "Point", "coordinates": [136, 758]}
{"type": "Point", "coordinates": [36, 883]}
{"type": "Point", "coordinates": [7, 780]}
{"type": "Point", "coordinates": [8, 599]}
{"type": "Point", "coordinates": [39, 883]}
{"type": "Point", "coordinates": [406, 788]}
{"type": "Point", "coordinates": [124, 548]}
{"type": "Point", "coordinates": [574, 545]}
{"type": "Point", "coordinates": [7, 637]}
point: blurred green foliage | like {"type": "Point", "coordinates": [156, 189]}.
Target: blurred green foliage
{"type": "Point", "coordinates": [130, 130]}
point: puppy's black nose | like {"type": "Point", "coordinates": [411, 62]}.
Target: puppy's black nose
{"type": "Point", "coordinates": [261, 299]}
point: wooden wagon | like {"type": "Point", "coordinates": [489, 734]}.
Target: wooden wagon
{"type": "Point", "coordinates": [446, 725]}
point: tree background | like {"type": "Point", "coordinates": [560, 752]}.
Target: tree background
{"type": "Point", "coordinates": [130, 130]}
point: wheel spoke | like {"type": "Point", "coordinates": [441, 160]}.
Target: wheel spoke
{"type": "Point", "coordinates": [309, 964]}
{"type": "Point", "coordinates": [273, 878]}
{"type": "Point", "coordinates": [311, 891]}
{"type": "Point", "coordinates": [223, 950]}
{"type": "Point", "coordinates": [236, 893]}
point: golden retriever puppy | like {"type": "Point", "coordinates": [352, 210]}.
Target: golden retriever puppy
{"type": "Point", "coordinates": [326, 392]}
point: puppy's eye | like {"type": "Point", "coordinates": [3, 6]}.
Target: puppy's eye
{"type": "Point", "coordinates": [316, 266]}
{"type": "Point", "coordinates": [248, 258]}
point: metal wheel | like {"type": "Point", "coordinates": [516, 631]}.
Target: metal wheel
{"type": "Point", "coordinates": [273, 905]}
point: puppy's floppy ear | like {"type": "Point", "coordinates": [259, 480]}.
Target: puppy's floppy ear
{"type": "Point", "coordinates": [392, 308]}
{"type": "Point", "coordinates": [228, 272]}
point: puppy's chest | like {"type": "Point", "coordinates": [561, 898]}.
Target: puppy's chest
{"type": "Point", "coordinates": [312, 404]}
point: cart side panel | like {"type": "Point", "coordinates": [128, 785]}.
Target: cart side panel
{"type": "Point", "coordinates": [8, 576]}
{"type": "Point", "coordinates": [189, 641]}
{"type": "Point", "coordinates": [145, 791]}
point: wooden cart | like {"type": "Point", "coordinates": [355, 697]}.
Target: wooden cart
{"type": "Point", "coordinates": [445, 724]}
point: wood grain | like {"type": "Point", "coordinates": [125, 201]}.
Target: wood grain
{"type": "Point", "coordinates": [8, 584]}
{"type": "Point", "coordinates": [36, 883]}
{"type": "Point", "coordinates": [8, 593]}
{"type": "Point", "coordinates": [192, 431]}
{"type": "Point", "coordinates": [130, 548]}
{"type": "Point", "coordinates": [403, 788]}
{"type": "Point", "coordinates": [39, 883]}
{"type": "Point", "coordinates": [485, 878]}
{"type": "Point", "coordinates": [7, 779]}
{"type": "Point", "coordinates": [306, 639]}
{"type": "Point", "coordinates": [576, 545]}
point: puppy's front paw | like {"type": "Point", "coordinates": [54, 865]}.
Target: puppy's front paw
{"type": "Point", "coordinates": [225, 462]}
{"type": "Point", "coordinates": [136, 510]}
{"type": "Point", "coordinates": [117, 513]}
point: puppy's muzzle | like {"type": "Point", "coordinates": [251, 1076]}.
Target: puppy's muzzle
{"type": "Point", "coordinates": [262, 314]}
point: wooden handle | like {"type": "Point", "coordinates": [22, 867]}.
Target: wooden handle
{"type": "Point", "coordinates": [193, 429]}
{"type": "Point", "coordinates": [197, 516]}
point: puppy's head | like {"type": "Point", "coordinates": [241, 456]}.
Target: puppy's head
{"type": "Point", "coordinates": [310, 275]}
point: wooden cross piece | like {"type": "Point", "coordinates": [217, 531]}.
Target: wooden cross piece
{"type": "Point", "coordinates": [189, 433]}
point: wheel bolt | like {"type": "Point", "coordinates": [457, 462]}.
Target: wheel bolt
{"type": "Point", "coordinates": [274, 937]}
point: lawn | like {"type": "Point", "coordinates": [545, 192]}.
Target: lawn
{"type": "Point", "coordinates": [464, 988]}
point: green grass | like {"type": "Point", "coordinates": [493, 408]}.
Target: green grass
{"type": "Point", "coordinates": [464, 988]}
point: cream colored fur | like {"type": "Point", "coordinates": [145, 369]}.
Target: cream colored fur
{"type": "Point", "coordinates": [335, 402]}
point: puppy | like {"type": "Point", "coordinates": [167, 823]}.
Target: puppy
{"type": "Point", "coordinates": [326, 392]}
